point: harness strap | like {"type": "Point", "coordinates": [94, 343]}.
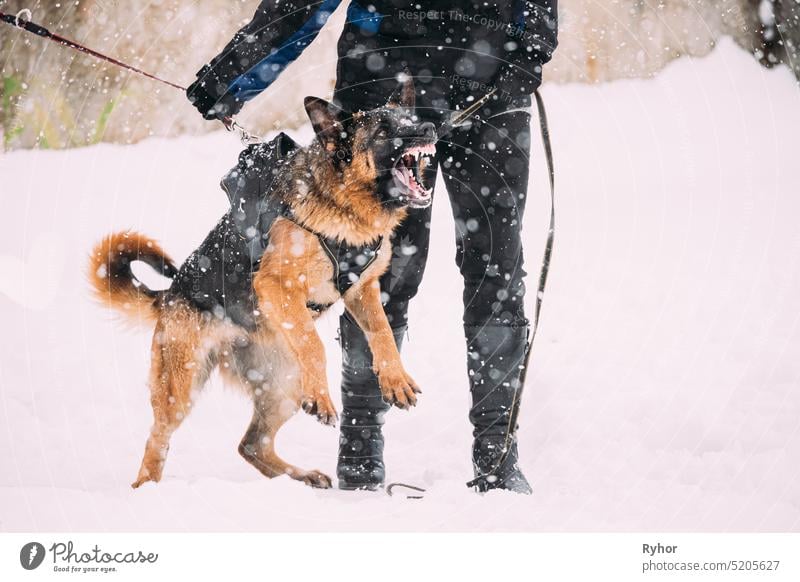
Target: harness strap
{"type": "Point", "coordinates": [342, 255]}
{"type": "Point", "coordinates": [348, 262]}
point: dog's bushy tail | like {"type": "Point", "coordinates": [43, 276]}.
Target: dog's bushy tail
{"type": "Point", "coordinates": [115, 284]}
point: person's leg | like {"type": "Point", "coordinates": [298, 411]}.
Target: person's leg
{"type": "Point", "coordinates": [360, 86]}
{"type": "Point", "coordinates": [360, 464]}
{"type": "Point", "coordinates": [486, 173]}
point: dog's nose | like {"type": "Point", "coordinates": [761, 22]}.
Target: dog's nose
{"type": "Point", "coordinates": [428, 130]}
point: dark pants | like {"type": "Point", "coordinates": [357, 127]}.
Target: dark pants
{"type": "Point", "coordinates": [485, 171]}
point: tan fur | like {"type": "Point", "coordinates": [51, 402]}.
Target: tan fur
{"type": "Point", "coordinates": [281, 364]}
{"type": "Point", "coordinates": [115, 290]}
{"type": "Point", "coordinates": [185, 349]}
{"type": "Point", "coordinates": [351, 212]}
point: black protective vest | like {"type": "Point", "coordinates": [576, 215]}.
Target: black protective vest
{"type": "Point", "coordinates": [253, 210]}
{"type": "Point", "coordinates": [218, 276]}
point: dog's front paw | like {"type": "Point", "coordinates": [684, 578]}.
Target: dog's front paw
{"type": "Point", "coordinates": [398, 387]}
{"type": "Point", "coordinates": [319, 404]}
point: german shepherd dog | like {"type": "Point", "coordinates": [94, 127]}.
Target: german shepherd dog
{"type": "Point", "coordinates": [353, 184]}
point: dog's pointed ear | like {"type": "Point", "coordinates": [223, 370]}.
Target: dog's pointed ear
{"type": "Point", "coordinates": [327, 119]}
{"type": "Point", "coordinates": [405, 95]}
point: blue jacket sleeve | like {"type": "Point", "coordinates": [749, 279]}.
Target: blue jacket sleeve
{"type": "Point", "coordinates": [279, 31]}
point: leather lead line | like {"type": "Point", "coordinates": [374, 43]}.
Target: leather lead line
{"type": "Point", "coordinates": [18, 22]}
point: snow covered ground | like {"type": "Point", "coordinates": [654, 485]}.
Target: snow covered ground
{"type": "Point", "coordinates": [664, 392]}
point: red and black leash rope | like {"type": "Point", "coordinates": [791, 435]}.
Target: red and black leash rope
{"type": "Point", "coordinates": [41, 31]}
{"type": "Point", "coordinates": [25, 24]}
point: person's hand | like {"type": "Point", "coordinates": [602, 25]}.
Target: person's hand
{"type": "Point", "coordinates": [209, 96]}
{"type": "Point", "coordinates": [518, 76]}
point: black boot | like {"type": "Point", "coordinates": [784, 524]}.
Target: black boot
{"type": "Point", "coordinates": [360, 464]}
{"type": "Point", "coordinates": [496, 357]}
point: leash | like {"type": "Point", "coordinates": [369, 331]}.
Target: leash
{"type": "Point", "coordinates": [459, 117]}
{"type": "Point", "coordinates": [25, 24]}
{"type": "Point", "coordinates": [41, 31]}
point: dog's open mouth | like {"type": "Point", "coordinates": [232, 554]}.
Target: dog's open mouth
{"type": "Point", "coordinates": [408, 173]}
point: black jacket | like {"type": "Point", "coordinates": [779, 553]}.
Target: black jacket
{"type": "Point", "coordinates": [514, 38]}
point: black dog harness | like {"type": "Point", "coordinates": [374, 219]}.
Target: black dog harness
{"type": "Point", "coordinates": [254, 210]}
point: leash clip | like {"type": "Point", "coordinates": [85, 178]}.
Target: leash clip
{"type": "Point", "coordinates": [459, 119]}
{"type": "Point", "coordinates": [245, 136]}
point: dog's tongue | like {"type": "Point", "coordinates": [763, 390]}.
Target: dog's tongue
{"type": "Point", "coordinates": [405, 176]}
{"type": "Point", "coordinates": [414, 190]}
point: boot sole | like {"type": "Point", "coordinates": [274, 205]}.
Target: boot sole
{"type": "Point", "coordinates": [359, 486]}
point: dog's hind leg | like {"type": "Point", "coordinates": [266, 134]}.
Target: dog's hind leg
{"type": "Point", "coordinates": [258, 445]}
{"type": "Point", "coordinates": [276, 394]}
{"type": "Point", "coordinates": [181, 363]}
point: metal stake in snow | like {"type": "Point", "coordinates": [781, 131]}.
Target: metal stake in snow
{"type": "Point", "coordinates": [25, 24]}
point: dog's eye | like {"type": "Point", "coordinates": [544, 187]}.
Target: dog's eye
{"type": "Point", "coordinates": [383, 130]}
